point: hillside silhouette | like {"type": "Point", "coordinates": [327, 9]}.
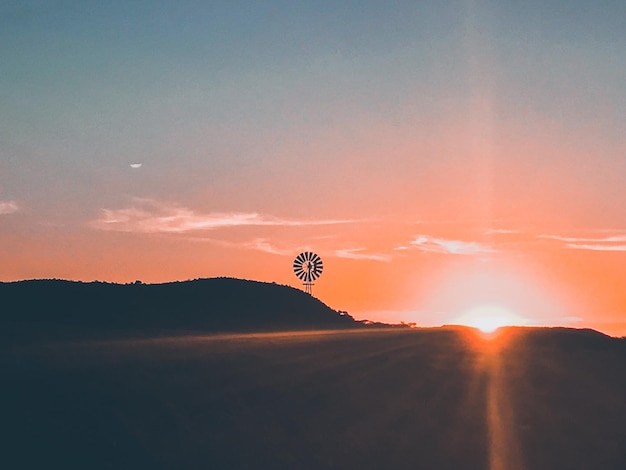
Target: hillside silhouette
{"type": "Point", "coordinates": [218, 304]}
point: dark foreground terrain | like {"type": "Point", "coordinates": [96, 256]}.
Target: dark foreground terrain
{"type": "Point", "coordinates": [394, 399]}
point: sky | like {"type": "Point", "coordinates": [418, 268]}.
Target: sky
{"type": "Point", "coordinates": [440, 156]}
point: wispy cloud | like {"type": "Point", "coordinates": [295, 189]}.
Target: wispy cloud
{"type": "Point", "coordinates": [501, 231]}
{"type": "Point", "coordinates": [264, 245]}
{"type": "Point", "coordinates": [257, 244]}
{"type": "Point", "coordinates": [358, 253]}
{"type": "Point", "coordinates": [587, 246]}
{"type": "Point", "coordinates": [606, 243]}
{"type": "Point", "coordinates": [444, 246]}
{"type": "Point", "coordinates": [8, 207]}
{"type": "Point", "coordinates": [268, 246]}
{"type": "Point", "coordinates": [610, 239]}
{"type": "Point", "coordinates": [149, 216]}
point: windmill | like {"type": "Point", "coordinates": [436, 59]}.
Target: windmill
{"type": "Point", "coordinates": [307, 267]}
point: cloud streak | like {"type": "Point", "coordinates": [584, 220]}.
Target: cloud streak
{"type": "Point", "coordinates": [611, 239]}
{"type": "Point", "coordinates": [608, 243]}
{"type": "Point", "coordinates": [501, 231]}
{"type": "Point", "coordinates": [149, 216]}
{"type": "Point", "coordinates": [430, 244]}
{"type": "Point", "coordinates": [264, 245]}
{"type": "Point", "coordinates": [591, 247]}
{"type": "Point", "coordinates": [358, 254]}
{"type": "Point", "coordinates": [8, 207]}
{"type": "Point", "coordinates": [267, 246]}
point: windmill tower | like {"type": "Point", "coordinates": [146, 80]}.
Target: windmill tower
{"type": "Point", "coordinates": [308, 267]}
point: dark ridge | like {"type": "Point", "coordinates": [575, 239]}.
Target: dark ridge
{"type": "Point", "coordinates": [218, 304]}
{"type": "Point", "coordinates": [566, 339]}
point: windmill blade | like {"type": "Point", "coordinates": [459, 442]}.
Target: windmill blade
{"type": "Point", "coordinates": [307, 267]}
{"type": "Point", "coordinates": [317, 269]}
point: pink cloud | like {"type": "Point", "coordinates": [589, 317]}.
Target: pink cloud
{"type": "Point", "coordinates": [430, 244]}
{"type": "Point", "coordinates": [8, 207]}
{"type": "Point", "coordinates": [148, 216]}
{"type": "Point", "coordinates": [357, 253]}
{"type": "Point", "coordinates": [605, 243]}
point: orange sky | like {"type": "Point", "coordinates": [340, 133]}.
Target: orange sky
{"type": "Point", "coordinates": [438, 157]}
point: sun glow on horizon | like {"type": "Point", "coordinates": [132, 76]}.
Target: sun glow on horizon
{"type": "Point", "coordinates": [488, 318]}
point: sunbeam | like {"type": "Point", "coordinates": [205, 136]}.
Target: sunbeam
{"type": "Point", "coordinates": [503, 443]}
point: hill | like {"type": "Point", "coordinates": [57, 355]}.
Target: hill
{"type": "Point", "coordinates": [218, 304]}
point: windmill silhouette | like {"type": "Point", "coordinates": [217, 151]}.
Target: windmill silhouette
{"type": "Point", "coordinates": [308, 267]}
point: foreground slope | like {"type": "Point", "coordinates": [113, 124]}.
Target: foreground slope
{"type": "Point", "coordinates": [219, 304]}
{"type": "Point", "coordinates": [400, 399]}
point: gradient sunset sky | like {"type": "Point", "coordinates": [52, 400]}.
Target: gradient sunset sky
{"type": "Point", "coordinates": [440, 156]}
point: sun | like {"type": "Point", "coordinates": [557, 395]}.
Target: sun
{"type": "Point", "coordinates": [488, 318]}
